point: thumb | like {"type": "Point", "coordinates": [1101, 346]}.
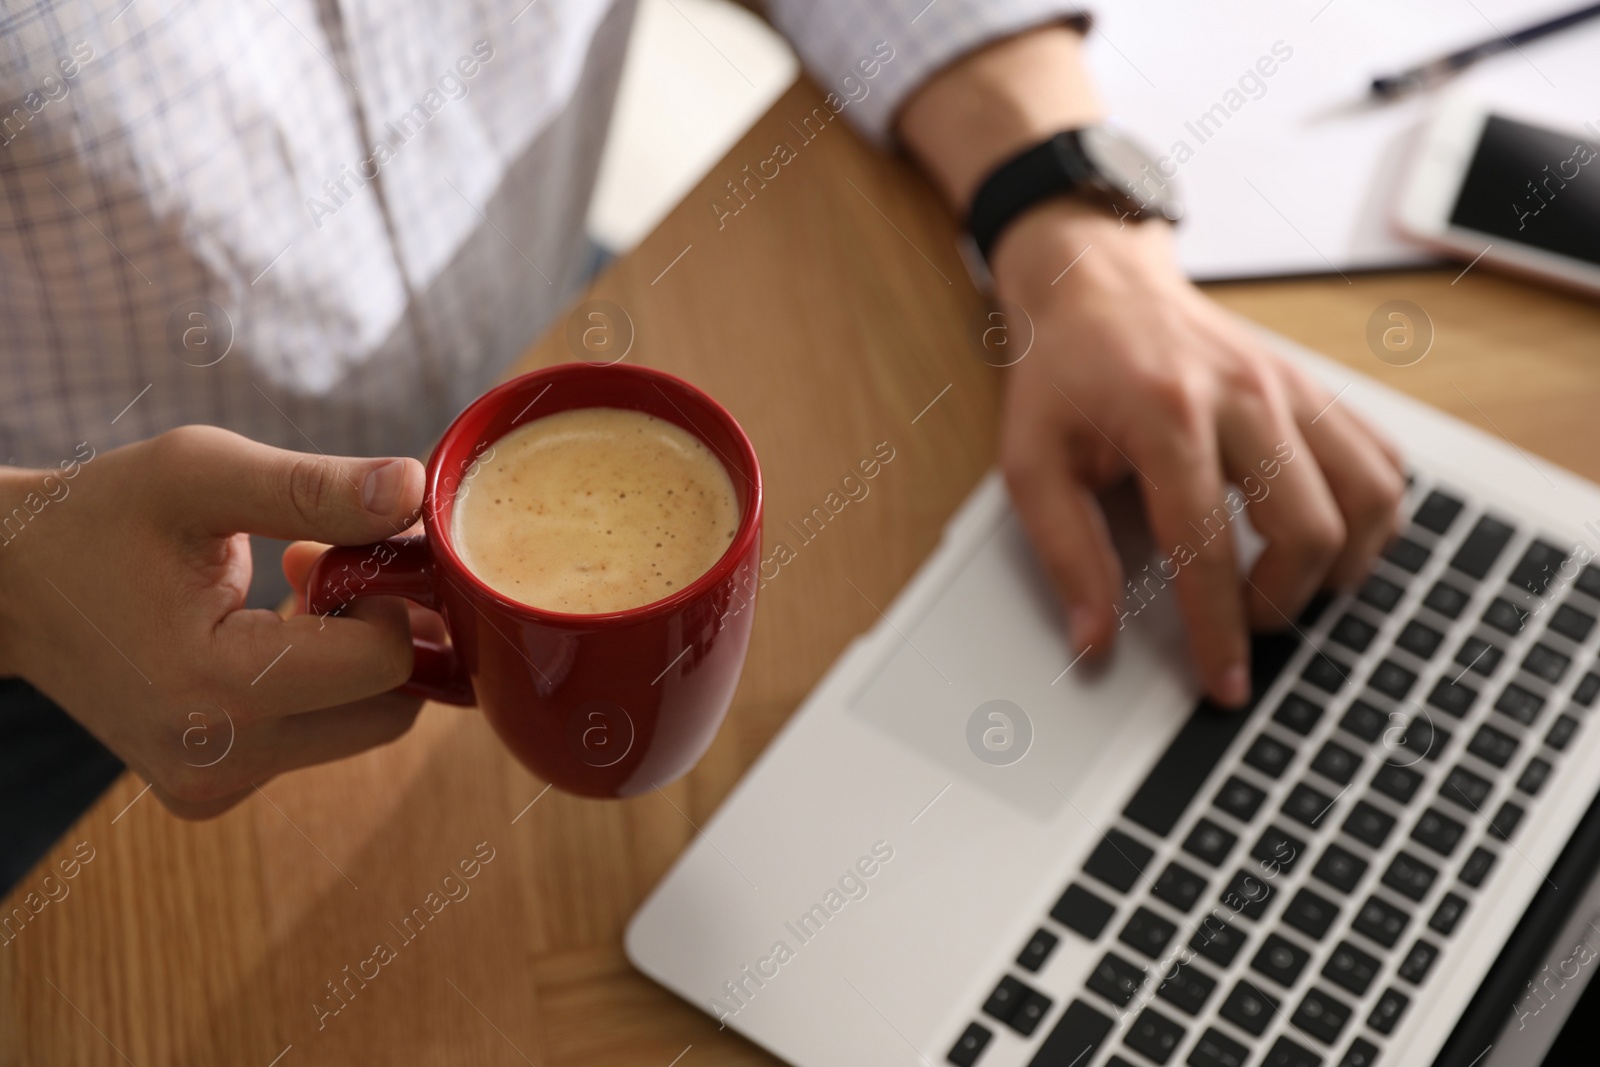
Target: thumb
{"type": "Point", "coordinates": [226, 484]}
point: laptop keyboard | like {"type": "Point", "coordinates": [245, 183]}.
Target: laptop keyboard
{"type": "Point", "coordinates": [1287, 878]}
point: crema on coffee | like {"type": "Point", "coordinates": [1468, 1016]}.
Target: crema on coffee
{"type": "Point", "coordinates": [594, 510]}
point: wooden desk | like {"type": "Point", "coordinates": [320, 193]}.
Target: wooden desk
{"type": "Point", "coordinates": [828, 314]}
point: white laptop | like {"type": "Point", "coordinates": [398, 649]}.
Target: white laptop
{"type": "Point", "coordinates": [968, 848]}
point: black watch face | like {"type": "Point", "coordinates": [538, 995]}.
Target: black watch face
{"type": "Point", "coordinates": [1131, 171]}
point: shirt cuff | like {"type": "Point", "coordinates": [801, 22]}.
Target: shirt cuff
{"type": "Point", "coordinates": [871, 56]}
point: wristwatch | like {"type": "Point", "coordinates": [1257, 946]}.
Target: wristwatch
{"type": "Point", "coordinates": [1093, 162]}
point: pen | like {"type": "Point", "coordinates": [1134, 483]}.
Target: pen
{"type": "Point", "coordinates": [1431, 73]}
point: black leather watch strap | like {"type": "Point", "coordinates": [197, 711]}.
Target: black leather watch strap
{"type": "Point", "coordinates": [1051, 168]}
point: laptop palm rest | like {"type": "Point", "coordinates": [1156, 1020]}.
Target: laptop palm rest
{"type": "Point", "coordinates": [985, 683]}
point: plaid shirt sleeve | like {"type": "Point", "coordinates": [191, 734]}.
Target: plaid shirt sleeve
{"type": "Point", "coordinates": [900, 42]}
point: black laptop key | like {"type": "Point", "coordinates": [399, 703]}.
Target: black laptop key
{"type": "Point", "coordinates": [1437, 511]}
{"type": "Point", "coordinates": [1322, 1015]}
{"type": "Point", "coordinates": [1311, 913]}
{"type": "Point", "coordinates": [1380, 921]}
{"type": "Point", "coordinates": [1561, 731]}
{"type": "Point", "coordinates": [1268, 755]}
{"type": "Point", "coordinates": [1326, 673]}
{"type": "Point", "coordinates": [1239, 798]}
{"type": "Point", "coordinates": [1154, 1035]}
{"type": "Point", "coordinates": [1350, 968]}
{"type": "Point", "coordinates": [1419, 639]}
{"type": "Point", "coordinates": [1277, 851]}
{"type": "Point", "coordinates": [1217, 941]}
{"type": "Point", "coordinates": [1409, 876]}
{"type": "Point", "coordinates": [1438, 831]}
{"type": "Point", "coordinates": [1587, 690]}
{"type": "Point", "coordinates": [1451, 697]}
{"type": "Point", "coordinates": [1248, 894]}
{"type": "Point", "coordinates": [1336, 763]}
{"type": "Point", "coordinates": [1447, 600]}
{"type": "Point", "coordinates": [1537, 567]}
{"type": "Point", "coordinates": [1313, 610]}
{"type": "Point", "coordinates": [1280, 960]}
{"type": "Point", "coordinates": [1209, 842]}
{"type": "Point", "coordinates": [1392, 680]}
{"type": "Point", "coordinates": [1506, 820]}
{"type": "Point", "coordinates": [1505, 616]}
{"type": "Point", "coordinates": [1037, 950]}
{"type": "Point", "coordinates": [1391, 1005]}
{"type": "Point", "coordinates": [1183, 769]}
{"type": "Point", "coordinates": [1492, 746]}
{"type": "Point", "coordinates": [1083, 911]}
{"type": "Point", "coordinates": [1361, 1053]}
{"type": "Point", "coordinates": [1479, 656]}
{"type": "Point", "coordinates": [1307, 805]}
{"type": "Point", "coordinates": [1118, 860]}
{"type": "Point", "coordinates": [1179, 886]}
{"type": "Point", "coordinates": [1116, 979]}
{"type": "Point", "coordinates": [1380, 593]}
{"type": "Point", "coordinates": [1030, 1013]}
{"type": "Point", "coordinates": [1542, 661]}
{"type": "Point", "coordinates": [1249, 1008]}
{"type": "Point", "coordinates": [1534, 775]}
{"type": "Point", "coordinates": [1448, 914]}
{"type": "Point", "coordinates": [1364, 721]}
{"type": "Point", "coordinates": [1466, 790]}
{"type": "Point", "coordinates": [1216, 1049]}
{"type": "Point", "coordinates": [1353, 632]}
{"type": "Point", "coordinates": [1406, 554]}
{"type": "Point", "coordinates": [1588, 581]}
{"type": "Point", "coordinates": [1146, 932]}
{"type": "Point", "coordinates": [970, 1045]}
{"type": "Point", "coordinates": [1006, 999]}
{"type": "Point", "coordinates": [1520, 704]}
{"type": "Point", "coordinates": [1396, 782]}
{"type": "Point", "coordinates": [1287, 1053]}
{"type": "Point", "coordinates": [1340, 868]}
{"type": "Point", "coordinates": [1482, 547]}
{"type": "Point", "coordinates": [1369, 824]}
{"type": "Point", "coordinates": [1477, 867]}
{"type": "Point", "coordinates": [1418, 962]}
{"type": "Point", "coordinates": [1074, 1038]}
{"type": "Point", "coordinates": [1298, 714]}
{"type": "Point", "coordinates": [1571, 623]}
{"type": "Point", "coordinates": [1186, 988]}
{"type": "Point", "coordinates": [1424, 739]}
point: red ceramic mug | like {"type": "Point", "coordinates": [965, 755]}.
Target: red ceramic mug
{"type": "Point", "coordinates": [603, 705]}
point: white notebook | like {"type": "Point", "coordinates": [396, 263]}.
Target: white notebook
{"type": "Point", "coordinates": [1294, 171]}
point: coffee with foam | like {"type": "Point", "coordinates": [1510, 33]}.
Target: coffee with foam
{"type": "Point", "coordinates": [594, 510]}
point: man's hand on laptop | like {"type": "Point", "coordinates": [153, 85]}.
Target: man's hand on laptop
{"type": "Point", "coordinates": [1134, 373]}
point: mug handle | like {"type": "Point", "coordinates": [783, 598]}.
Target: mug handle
{"type": "Point", "coordinates": [340, 576]}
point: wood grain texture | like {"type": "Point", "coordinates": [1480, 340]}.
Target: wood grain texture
{"type": "Point", "coordinates": [827, 314]}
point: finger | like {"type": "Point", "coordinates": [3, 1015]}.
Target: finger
{"type": "Point", "coordinates": [426, 625]}
{"type": "Point", "coordinates": [1290, 504]}
{"type": "Point", "coordinates": [334, 733]}
{"type": "Point", "coordinates": [278, 666]}
{"type": "Point", "coordinates": [1367, 486]}
{"type": "Point", "coordinates": [1067, 529]}
{"type": "Point", "coordinates": [1363, 470]}
{"type": "Point", "coordinates": [1180, 469]}
{"type": "Point", "coordinates": [190, 808]}
{"type": "Point", "coordinates": [298, 559]}
{"type": "Point", "coordinates": [223, 483]}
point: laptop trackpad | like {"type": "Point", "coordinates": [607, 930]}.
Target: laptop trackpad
{"type": "Point", "coordinates": [985, 683]}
